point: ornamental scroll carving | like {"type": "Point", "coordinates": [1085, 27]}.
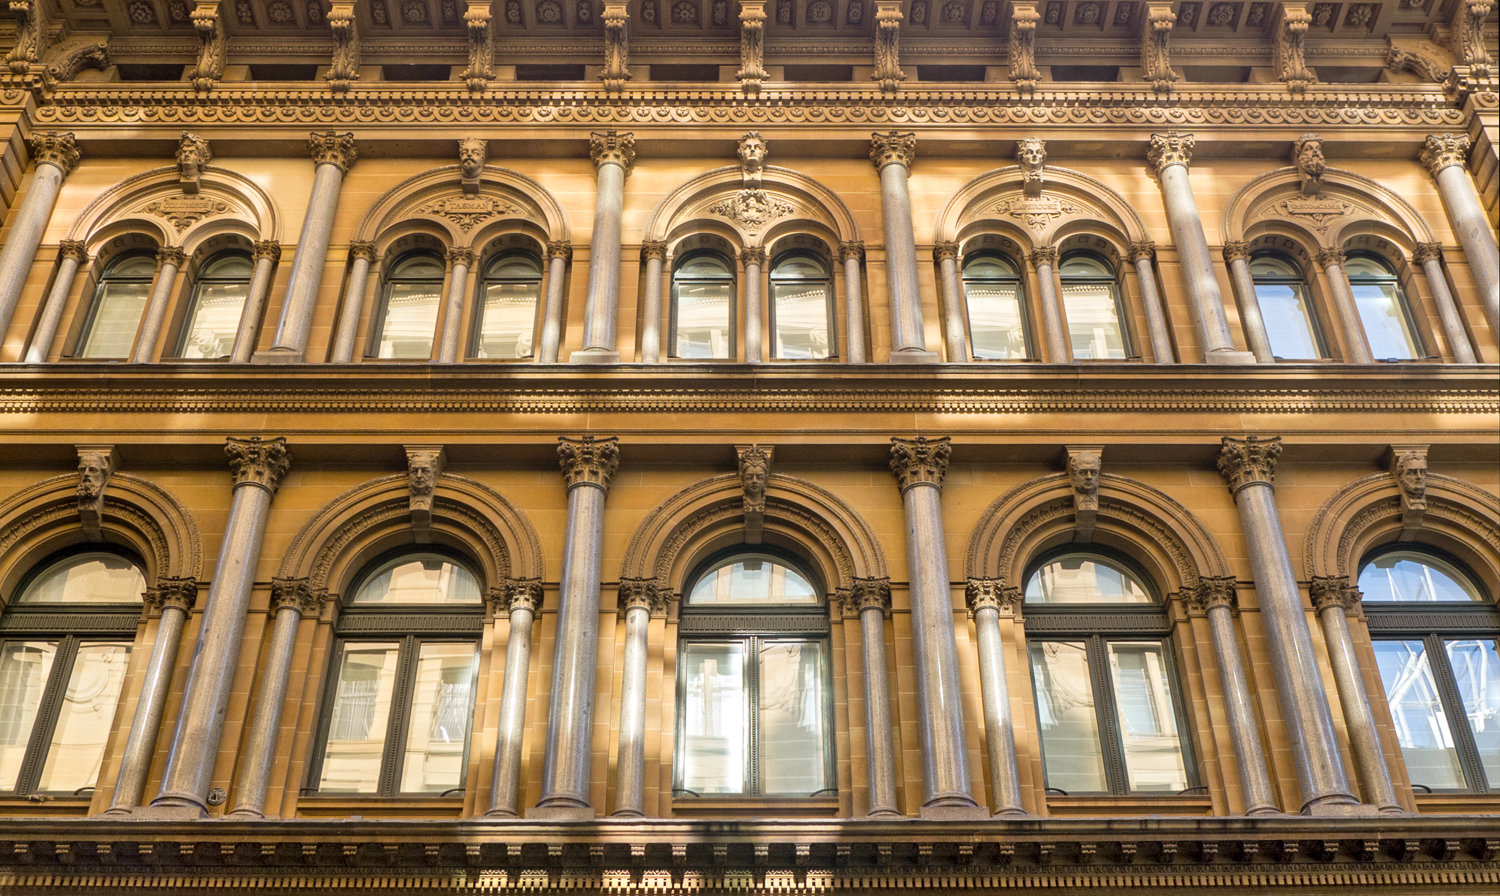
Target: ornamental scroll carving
{"type": "Point", "coordinates": [616, 46]}
{"type": "Point", "coordinates": [31, 35]}
{"type": "Point", "coordinates": [588, 460]}
{"type": "Point", "coordinates": [1156, 33]}
{"type": "Point", "coordinates": [258, 461]}
{"type": "Point", "coordinates": [752, 71]}
{"type": "Point", "coordinates": [96, 463]}
{"type": "Point", "coordinates": [888, 46]}
{"type": "Point", "coordinates": [468, 212]}
{"type": "Point", "coordinates": [1288, 54]}
{"type": "Point", "coordinates": [1468, 37]}
{"type": "Point", "coordinates": [345, 27]}
{"type": "Point", "coordinates": [1022, 49]}
{"type": "Point", "coordinates": [752, 209]}
{"type": "Point", "coordinates": [477, 21]}
{"type": "Point", "coordinates": [67, 59]}
{"type": "Point", "coordinates": [212, 45]}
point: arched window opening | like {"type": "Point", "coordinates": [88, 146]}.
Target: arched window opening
{"type": "Point", "coordinates": [1286, 308]}
{"type": "Point", "coordinates": [801, 307]}
{"type": "Point", "coordinates": [1091, 301]}
{"type": "Point", "coordinates": [510, 294]}
{"type": "Point", "coordinates": [119, 301]}
{"type": "Point", "coordinates": [997, 312]}
{"type": "Point", "coordinates": [1440, 668]}
{"type": "Point", "coordinates": [218, 302]}
{"type": "Point", "coordinates": [1382, 308]}
{"type": "Point", "coordinates": [409, 308]}
{"type": "Point", "coordinates": [703, 302]}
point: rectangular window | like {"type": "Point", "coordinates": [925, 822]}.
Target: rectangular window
{"type": "Point", "coordinates": [1476, 670]}
{"type": "Point", "coordinates": [442, 706]}
{"type": "Point", "coordinates": [507, 319]}
{"type": "Point", "coordinates": [360, 719]}
{"type": "Point", "coordinates": [25, 667]}
{"type": "Point", "coordinates": [800, 315]}
{"type": "Point", "coordinates": [791, 736]}
{"type": "Point", "coordinates": [410, 320]}
{"type": "Point", "coordinates": [116, 317]}
{"type": "Point", "coordinates": [703, 316]}
{"type": "Point", "coordinates": [1093, 321]}
{"type": "Point", "coordinates": [1071, 750]}
{"type": "Point", "coordinates": [213, 320]}
{"type": "Point", "coordinates": [1383, 314]}
{"type": "Point", "coordinates": [1289, 320]}
{"type": "Point", "coordinates": [1144, 702]}
{"type": "Point", "coordinates": [1422, 726]}
{"type": "Point", "coordinates": [713, 718]}
{"type": "Point", "coordinates": [997, 329]}
{"type": "Point", "coordinates": [83, 716]}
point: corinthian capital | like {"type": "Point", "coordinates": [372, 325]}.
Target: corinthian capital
{"type": "Point", "coordinates": [1142, 249]}
{"type": "Point", "coordinates": [271, 249]}
{"type": "Point", "coordinates": [643, 593]}
{"type": "Point", "coordinates": [172, 255]}
{"type": "Point", "coordinates": [297, 594]}
{"type": "Point", "coordinates": [1334, 591]}
{"type": "Point", "coordinates": [654, 249]}
{"type": "Point", "coordinates": [332, 148]}
{"type": "Point", "coordinates": [1249, 461]}
{"type": "Point", "coordinates": [559, 249]}
{"type": "Point", "coordinates": [920, 460]}
{"type": "Point", "coordinates": [854, 249]}
{"type": "Point", "coordinates": [1236, 249]}
{"type": "Point", "coordinates": [1443, 151]}
{"type": "Point", "coordinates": [517, 594]}
{"type": "Point", "coordinates": [588, 460]}
{"type": "Point", "coordinates": [171, 593]}
{"type": "Point", "coordinates": [992, 594]}
{"type": "Point", "coordinates": [893, 148]}
{"type": "Point", "coordinates": [257, 461]}
{"type": "Point", "coordinates": [612, 148]}
{"type": "Point", "coordinates": [463, 255]}
{"type": "Point", "coordinates": [1169, 149]}
{"type": "Point", "coordinates": [54, 148]}
{"type": "Point", "coordinates": [74, 249]}
{"type": "Point", "coordinates": [1216, 591]}
{"type": "Point", "coordinates": [1428, 252]}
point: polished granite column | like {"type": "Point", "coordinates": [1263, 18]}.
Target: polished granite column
{"type": "Point", "coordinates": [639, 600]}
{"type": "Point", "coordinates": [56, 156]}
{"type": "Point", "coordinates": [362, 255]}
{"type": "Point", "coordinates": [169, 261]}
{"type": "Point", "coordinates": [1142, 254]}
{"type": "Point", "coordinates": [1355, 344]}
{"type": "Point", "coordinates": [266, 254]}
{"type": "Point", "coordinates": [520, 598]}
{"type": "Point", "coordinates": [655, 253]}
{"type": "Point", "coordinates": [73, 254]}
{"type": "Point", "coordinates": [946, 256]}
{"type": "Point", "coordinates": [460, 260]}
{"type": "Point", "coordinates": [1054, 332]}
{"type": "Point", "coordinates": [1429, 257]}
{"type": "Point", "coordinates": [613, 154]}
{"type": "Point", "coordinates": [1445, 156]}
{"type": "Point", "coordinates": [558, 253]}
{"type": "Point", "coordinates": [986, 598]}
{"type": "Point", "coordinates": [870, 599]}
{"type": "Point", "coordinates": [850, 255]}
{"type": "Point", "coordinates": [892, 154]}
{"type": "Point", "coordinates": [1237, 257]}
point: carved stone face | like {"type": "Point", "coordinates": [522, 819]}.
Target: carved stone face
{"type": "Point", "coordinates": [91, 478]}
{"type": "Point", "coordinates": [422, 478]}
{"type": "Point", "coordinates": [754, 478]}
{"type": "Point", "coordinates": [471, 153]}
{"type": "Point", "coordinates": [1411, 472]}
{"type": "Point", "coordinates": [753, 151]}
{"type": "Point", "coordinates": [1083, 469]}
{"type": "Point", "coordinates": [1031, 153]}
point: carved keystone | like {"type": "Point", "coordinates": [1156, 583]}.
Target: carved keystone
{"type": "Point", "coordinates": [1084, 462]}
{"type": "Point", "coordinates": [1409, 467]}
{"type": "Point", "coordinates": [96, 463]}
{"type": "Point", "coordinates": [755, 471]}
{"type": "Point", "coordinates": [424, 464]}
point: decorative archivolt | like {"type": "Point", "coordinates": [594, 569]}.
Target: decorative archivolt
{"type": "Point", "coordinates": [437, 198]}
{"type": "Point", "coordinates": [375, 516]}
{"type": "Point", "coordinates": [710, 514]}
{"type": "Point", "coordinates": [154, 202]}
{"type": "Point", "coordinates": [137, 514]}
{"type": "Point", "coordinates": [1346, 206]}
{"type": "Point", "coordinates": [1132, 516]}
{"type": "Point", "coordinates": [1068, 203]}
{"type": "Point", "coordinates": [785, 201]}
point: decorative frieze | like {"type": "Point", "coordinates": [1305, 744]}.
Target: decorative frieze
{"type": "Point", "coordinates": [1249, 461]}
{"type": "Point", "coordinates": [920, 460]}
{"type": "Point", "coordinates": [330, 148]}
{"type": "Point", "coordinates": [96, 463]}
{"type": "Point", "coordinates": [1444, 151]}
{"type": "Point", "coordinates": [171, 592]}
{"type": "Point", "coordinates": [588, 459]}
{"type": "Point", "coordinates": [53, 148]}
{"type": "Point", "coordinates": [1307, 157]}
{"type": "Point", "coordinates": [893, 148]}
{"type": "Point", "coordinates": [257, 461]}
{"type": "Point", "coordinates": [193, 155]}
{"type": "Point", "coordinates": [1168, 149]}
{"type": "Point", "coordinates": [612, 148]}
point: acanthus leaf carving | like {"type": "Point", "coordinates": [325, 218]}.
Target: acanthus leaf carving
{"type": "Point", "coordinates": [68, 58]}
{"type": "Point", "coordinates": [616, 46]}
{"type": "Point", "coordinates": [1249, 461]}
{"type": "Point", "coordinates": [752, 209]}
{"type": "Point", "coordinates": [752, 71]}
{"type": "Point", "coordinates": [258, 461]}
{"type": "Point", "coordinates": [31, 35]}
{"type": "Point", "coordinates": [1023, 70]}
{"type": "Point", "coordinates": [1468, 38]}
{"type": "Point", "coordinates": [588, 459]}
{"type": "Point", "coordinates": [481, 31]}
{"type": "Point", "coordinates": [1288, 53]}
{"type": "Point", "coordinates": [345, 27]}
{"type": "Point", "coordinates": [212, 45]}
{"type": "Point", "coordinates": [468, 212]}
{"type": "Point", "coordinates": [1036, 212]}
{"type": "Point", "coordinates": [1156, 33]}
{"type": "Point", "coordinates": [185, 211]}
{"type": "Point", "coordinates": [920, 460]}
{"type": "Point", "coordinates": [888, 45]}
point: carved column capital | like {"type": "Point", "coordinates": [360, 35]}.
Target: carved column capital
{"type": "Point", "coordinates": [1249, 461]}
{"type": "Point", "coordinates": [332, 148]}
{"type": "Point", "coordinates": [1043, 255]}
{"type": "Point", "coordinates": [920, 460]}
{"type": "Point", "coordinates": [171, 592]}
{"type": "Point", "coordinates": [1443, 151]}
{"type": "Point", "coordinates": [516, 594]}
{"type": "Point", "coordinates": [1236, 250]}
{"type": "Point", "coordinates": [753, 255]}
{"type": "Point", "coordinates": [257, 461]}
{"type": "Point", "coordinates": [268, 249]}
{"type": "Point", "coordinates": [54, 148]}
{"type": "Point", "coordinates": [1170, 149]}
{"type": "Point", "coordinates": [1215, 591]}
{"type": "Point", "coordinates": [893, 148]}
{"type": "Point", "coordinates": [170, 255]}
{"type": "Point", "coordinates": [994, 594]}
{"type": "Point", "coordinates": [74, 249]}
{"type": "Point", "coordinates": [1328, 257]}
{"type": "Point", "coordinates": [612, 148]}
{"type": "Point", "coordinates": [854, 249]}
{"type": "Point", "coordinates": [1334, 591]}
{"type": "Point", "coordinates": [644, 593]}
{"type": "Point", "coordinates": [463, 255]}
{"type": "Point", "coordinates": [1428, 252]}
{"type": "Point", "coordinates": [1141, 249]}
{"type": "Point", "coordinates": [865, 594]}
{"type": "Point", "coordinates": [944, 249]}
{"type": "Point", "coordinates": [298, 594]}
{"type": "Point", "coordinates": [654, 249]}
{"type": "Point", "coordinates": [588, 460]}
{"type": "Point", "coordinates": [559, 249]}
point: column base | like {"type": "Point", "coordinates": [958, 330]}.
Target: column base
{"type": "Point", "coordinates": [953, 809]}
{"type": "Point", "coordinates": [1011, 813]}
{"type": "Point", "coordinates": [502, 815]}
{"type": "Point", "coordinates": [594, 356]}
{"type": "Point", "coordinates": [883, 815]}
{"type": "Point", "coordinates": [913, 356]}
{"type": "Point", "coordinates": [1229, 357]}
{"type": "Point", "coordinates": [164, 812]}
{"type": "Point", "coordinates": [279, 356]}
{"type": "Point", "coordinates": [1262, 811]}
{"type": "Point", "coordinates": [1339, 806]}
{"type": "Point", "coordinates": [627, 815]}
{"type": "Point", "coordinates": [246, 815]}
{"type": "Point", "coordinates": [562, 809]}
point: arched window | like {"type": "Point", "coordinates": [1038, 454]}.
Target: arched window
{"type": "Point", "coordinates": [1281, 292]}
{"type": "Point", "coordinates": [1437, 644]}
{"type": "Point", "coordinates": [1091, 301]}
{"type": "Point", "coordinates": [1108, 703]}
{"type": "Point", "coordinates": [510, 293]}
{"type": "Point", "coordinates": [703, 294]}
{"type": "Point", "coordinates": [753, 688]}
{"type": "Point", "coordinates": [1382, 308]}
{"type": "Point", "coordinates": [213, 315]}
{"type": "Point", "coordinates": [408, 310]}
{"type": "Point", "coordinates": [65, 646]}
{"type": "Point", "coordinates": [115, 314]}
{"type": "Point", "coordinates": [801, 307]}
{"type": "Point", "coordinates": [399, 707]}
{"type": "Point", "coordinates": [997, 313]}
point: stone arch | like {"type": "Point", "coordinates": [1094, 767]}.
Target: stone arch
{"type": "Point", "coordinates": [791, 202]}
{"type": "Point", "coordinates": [1172, 543]}
{"type": "Point", "coordinates": [153, 202]}
{"type": "Point", "coordinates": [375, 516]}
{"type": "Point", "coordinates": [138, 515]}
{"type": "Point", "coordinates": [1070, 202]}
{"type": "Point", "coordinates": [709, 514]}
{"type": "Point", "coordinates": [1346, 206]}
{"type": "Point", "coordinates": [506, 199]}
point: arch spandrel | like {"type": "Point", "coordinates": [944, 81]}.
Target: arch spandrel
{"type": "Point", "coordinates": [1345, 206]}
{"type": "Point", "coordinates": [785, 201]}
{"type": "Point", "coordinates": [437, 197]}
{"type": "Point", "coordinates": [226, 202]}
{"type": "Point", "coordinates": [1069, 203]}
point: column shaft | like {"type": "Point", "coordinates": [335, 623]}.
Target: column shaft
{"type": "Point", "coordinates": [265, 723]}
{"type": "Point", "coordinates": [1004, 775]}
{"type": "Point", "coordinates": [57, 300]}
{"type": "Point", "coordinates": [156, 307]}
{"type": "Point", "coordinates": [557, 270]}
{"type": "Point", "coordinates": [1453, 325]}
{"type": "Point", "coordinates": [1255, 782]}
{"type": "Point", "coordinates": [1249, 305]}
{"type": "Point", "coordinates": [1054, 334]}
{"type": "Point", "coordinates": [306, 278]}
{"type": "Point", "coordinates": [1470, 225]}
{"type": "Point", "coordinates": [907, 336]}
{"type": "Point", "coordinates": [753, 300]}
{"type": "Point", "coordinates": [604, 267]}
{"type": "Point", "coordinates": [255, 306]}
{"type": "Point", "coordinates": [1198, 268]}
{"type": "Point", "coordinates": [505, 790]}
{"type": "Point", "coordinates": [349, 310]}
{"type": "Point", "coordinates": [651, 313]}
{"type": "Point", "coordinates": [1343, 299]}
{"type": "Point", "coordinates": [630, 774]}
{"type": "Point", "coordinates": [135, 764]}
{"type": "Point", "coordinates": [1156, 316]}
{"type": "Point", "coordinates": [453, 312]}
{"type": "Point", "coordinates": [953, 316]}
{"type": "Point", "coordinates": [25, 236]}
{"type": "Point", "coordinates": [854, 309]}
{"type": "Point", "coordinates": [881, 753]}
{"type": "Point", "coordinates": [1369, 758]}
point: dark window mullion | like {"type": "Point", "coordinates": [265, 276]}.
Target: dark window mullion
{"type": "Point", "coordinates": [395, 734]}
{"type": "Point", "coordinates": [46, 714]}
{"type": "Point", "coordinates": [1453, 707]}
{"type": "Point", "coordinates": [1104, 703]}
{"type": "Point", "coordinates": [752, 712]}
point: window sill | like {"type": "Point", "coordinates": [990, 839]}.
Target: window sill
{"type": "Point", "coordinates": [1457, 803]}
{"type": "Point", "coordinates": [755, 807]}
{"type": "Point", "coordinates": [352, 805]}
{"type": "Point", "coordinates": [1128, 806]}
{"type": "Point", "coordinates": [59, 806]}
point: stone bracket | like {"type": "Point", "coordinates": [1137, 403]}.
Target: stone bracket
{"type": "Point", "coordinates": [1408, 464]}
{"type": "Point", "coordinates": [1083, 473]}
{"type": "Point", "coordinates": [424, 464]}
{"type": "Point", "coordinates": [96, 463]}
{"type": "Point", "coordinates": [755, 470]}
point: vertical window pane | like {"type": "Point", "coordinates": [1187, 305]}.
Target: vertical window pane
{"type": "Point", "coordinates": [1421, 725]}
{"type": "Point", "coordinates": [506, 320]}
{"type": "Point", "coordinates": [214, 318]}
{"type": "Point", "coordinates": [1147, 718]}
{"type": "Point", "coordinates": [1383, 314]}
{"type": "Point", "coordinates": [117, 315]}
{"type": "Point", "coordinates": [801, 319]}
{"type": "Point", "coordinates": [792, 739]}
{"type": "Point", "coordinates": [703, 316]}
{"type": "Point", "coordinates": [360, 717]}
{"type": "Point", "coordinates": [1476, 669]}
{"type": "Point", "coordinates": [1065, 713]}
{"type": "Point", "coordinates": [1093, 321]}
{"type": "Point", "coordinates": [85, 713]}
{"type": "Point", "coordinates": [1289, 322]}
{"type": "Point", "coordinates": [996, 329]}
{"type": "Point", "coordinates": [410, 320]}
{"type": "Point", "coordinates": [713, 718]}
{"type": "Point", "coordinates": [442, 708]}
{"type": "Point", "coordinates": [24, 667]}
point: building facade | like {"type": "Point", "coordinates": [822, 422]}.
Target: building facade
{"type": "Point", "coordinates": [792, 445]}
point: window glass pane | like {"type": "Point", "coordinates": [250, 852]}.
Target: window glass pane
{"type": "Point", "coordinates": [422, 579]}
{"type": "Point", "coordinates": [227, 267]}
{"type": "Point", "coordinates": [214, 318]}
{"type": "Point", "coordinates": [1421, 724]}
{"type": "Point", "coordinates": [799, 267]}
{"type": "Point", "coordinates": [713, 718]}
{"type": "Point", "coordinates": [791, 733]}
{"type": "Point", "coordinates": [117, 315]}
{"type": "Point", "coordinates": [138, 267]}
{"type": "Point", "coordinates": [95, 578]}
{"type": "Point", "coordinates": [359, 719]}
{"type": "Point", "coordinates": [703, 315]}
{"type": "Point", "coordinates": [1147, 717]}
{"type": "Point", "coordinates": [1476, 669]}
{"type": "Point", "coordinates": [1085, 579]}
{"type": "Point", "coordinates": [442, 707]}
{"type": "Point", "coordinates": [85, 713]}
{"type": "Point", "coordinates": [1093, 321]}
{"type": "Point", "coordinates": [997, 330]}
{"type": "Point", "coordinates": [1084, 266]}
{"type": "Point", "coordinates": [801, 318]}
{"type": "Point", "coordinates": [1065, 713]}
{"type": "Point", "coordinates": [753, 580]}
{"type": "Point", "coordinates": [514, 267]}
{"type": "Point", "coordinates": [989, 267]}
{"type": "Point", "coordinates": [411, 309]}
{"type": "Point", "coordinates": [1288, 318]}
{"type": "Point", "coordinates": [422, 266]}
{"type": "Point", "coordinates": [1271, 266]}
{"type": "Point", "coordinates": [704, 267]}
{"type": "Point", "coordinates": [24, 667]}
{"type": "Point", "coordinates": [1414, 576]}
{"type": "Point", "coordinates": [1382, 310]}
{"type": "Point", "coordinates": [506, 320]}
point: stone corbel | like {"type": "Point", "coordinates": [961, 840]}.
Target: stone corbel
{"type": "Point", "coordinates": [1409, 467]}
{"type": "Point", "coordinates": [1307, 156]}
{"type": "Point", "coordinates": [424, 464]}
{"type": "Point", "coordinates": [31, 35]}
{"type": "Point", "coordinates": [1083, 474]}
{"type": "Point", "coordinates": [64, 61]}
{"type": "Point", "coordinates": [213, 45]}
{"type": "Point", "coordinates": [1023, 71]}
{"type": "Point", "coordinates": [1031, 155]}
{"type": "Point", "coordinates": [193, 155]}
{"type": "Point", "coordinates": [472, 154]}
{"type": "Point", "coordinates": [888, 45]}
{"type": "Point", "coordinates": [616, 46]}
{"type": "Point", "coordinates": [1291, 64]}
{"type": "Point", "coordinates": [1468, 38]}
{"type": "Point", "coordinates": [1156, 32]}
{"type": "Point", "coordinates": [345, 27]}
{"type": "Point", "coordinates": [755, 471]}
{"type": "Point", "coordinates": [477, 20]}
{"type": "Point", "coordinates": [96, 463]}
{"type": "Point", "coordinates": [752, 71]}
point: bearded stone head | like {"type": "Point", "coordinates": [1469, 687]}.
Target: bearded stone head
{"type": "Point", "coordinates": [471, 156]}
{"type": "Point", "coordinates": [1083, 471]}
{"type": "Point", "coordinates": [92, 474]}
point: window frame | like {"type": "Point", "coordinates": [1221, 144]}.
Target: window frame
{"type": "Point", "coordinates": [734, 304]}
{"type": "Point", "coordinates": [1393, 278]}
{"type": "Point", "coordinates": [377, 320]}
{"type": "Point", "coordinates": [1027, 330]}
{"type": "Point", "coordinates": [1117, 292]}
{"type": "Point", "coordinates": [1300, 282]}
{"type": "Point", "coordinates": [476, 322]}
{"type": "Point", "coordinates": [179, 345]}
{"type": "Point", "coordinates": [90, 319]}
{"type": "Point", "coordinates": [830, 313]}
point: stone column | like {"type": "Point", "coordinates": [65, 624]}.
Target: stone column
{"type": "Point", "coordinates": [363, 254]}
{"type": "Point", "coordinates": [892, 154]}
{"type": "Point", "coordinates": [613, 154]}
{"type": "Point", "coordinates": [1249, 465]}
{"type": "Point", "coordinates": [334, 155]}
{"type": "Point", "coordinates": [1430, 257]}
{"type": "Point", "coordinates": [56, 156]}
{"type": "Point", "coordinates": [655, 253]}
{"type": "Point", "coordinates": [588, 464]}
{"type": "Point", "coordinates": [291, 599]}
{"type": "Point", "coordinates": [73, 254]}
{"type": "Point", "coordinates": [267, 253]}
{"type": "Point", "coordinates": [986, 599]}
{"type": "Point", "coordinates": [521, 598]}
{"type": "Point", "coordinates": [871, 600]}
{"type": "Point", "coordinates": [1054, 333]}
{"type": "Point", "coordinates": [460, 259]}
{"type": "Point", "coordinates": [1169, 155]}
{"type": "Point", "coordinates": [168, 262]}
{"type": "Point", "coordinates": [1334, 598]}
{"type": "Point", "coordinates": [1215, 599]}
{"type": "Point", "coordinates": [558, 253]}
{"type": "Point", "coordinates": [754, 260]}
{"type": "Point", "coordinates": [1237, 257]}
{"type": "Point", "coordinates": [946, 256]}
{"type": "Point", "coordinates": [173, 598]}
{"type": "Point", "coordinates": [639, 600]}
{"type": "Point", "coordinates": [1141, 255]}
{"type": "Point", "coordinates": [1332, 263]}
{"type": "Point", "coordinates": [919, 465]}
{"type": "Point", "coordinates": [850, 254]}
{"type": "Point", "coordinates": [258, 466]}
{"type": "Point", "coordinates": [1444, 156]}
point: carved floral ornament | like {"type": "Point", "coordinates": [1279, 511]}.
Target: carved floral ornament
{"type": "Point", "coordinates": [1334, 591]}
{"type": "Point", "coordinates": [468, 212]}
{"type": "Point", "coordinates": [1249, 461]}
{"type": "Point", "coordinates": [171, 593]}
{"type": "Point", "coordinates": [54, 148]}
{"type": "Point", "coordinates": [299, 595]}
{"type": "Point", "coordinates": [1209, 593]}
{"type": "Point", "coordinates": [893, 148]}
{"type": "Point", "coordinates": [333, 149]}
{"type": "Point", "coordinates": [1445, 151]}
{"type": "Point", "coordinates": [753, 209]}
{"type": "Point", "coordinates": [612, 148]}
{"type": "Point", "coordinates": [1037, 212]}
{"type": "Point", "coordinates": [644, 594]}
{"type": "Point", "coordinates": [1170, 149]}
{"type": "Point", "coordinates": [517, 594]}
{"type": "Point", "coordinates": [865, 594]}
{"type": "Point", "coordinates": [185, 211]}
{"type": "Point", "coordinates": [258, 461]}
{"type": "Point", "coordinates": [588, 460]}
{"type": "Point", "coordinates": [920, 460]}
{"type": "Point", "coordinates": [992, 594]}
{"type": "Point", "coordinates": [1317, 213]}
